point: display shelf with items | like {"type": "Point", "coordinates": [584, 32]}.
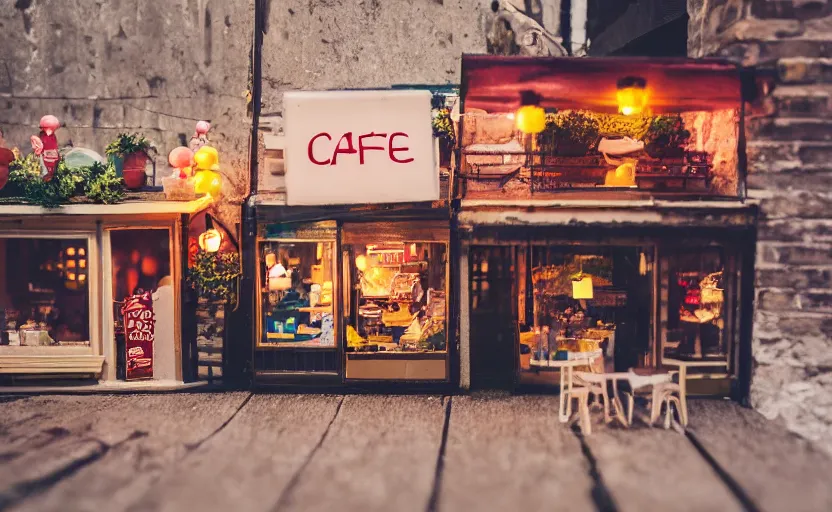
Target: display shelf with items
{"type": "Point", "coordinates": [297, 305]}
{"type": "Point", "coordinates": [398, 311]}
{"type": "Point", "coordinates": [698, 321]}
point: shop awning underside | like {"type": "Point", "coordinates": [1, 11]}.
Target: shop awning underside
{"type": "Point", "coordinates": [494, 83]}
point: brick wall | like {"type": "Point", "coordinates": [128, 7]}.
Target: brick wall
{"type": "Point", "coordinates": [790, 168]}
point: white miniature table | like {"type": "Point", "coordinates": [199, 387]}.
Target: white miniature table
{"type": "Point", "coordinates": [565, 406]}
{"type": "Point", "coordinates": [683, 373]}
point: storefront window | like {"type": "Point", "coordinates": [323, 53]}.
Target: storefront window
{"type": "Point", "coordinates": [398, 306]}
{"type": "Point", "coordinates": [298, 291]}
{"type": "Point", "coordinates": [696, 318]}
{"type": "Point", "coordinates": [585, 304]}
{"type": "Point", "coordinates": [44, 292]}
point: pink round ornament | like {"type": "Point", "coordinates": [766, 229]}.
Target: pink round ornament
{"type": "Point", "coordinates": [180, 157]}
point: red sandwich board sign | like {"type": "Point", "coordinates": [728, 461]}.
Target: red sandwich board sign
{"type": "Point", "coordinates": [139, 323]}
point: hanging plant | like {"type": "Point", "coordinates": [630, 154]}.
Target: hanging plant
{"type": "Point", "coordinates": [102, 184]}
{"type": "Point", "coordinates": [443, 126]}
{"type": "Point", "coordinates": [25, 174]}
{"type": "Point", "coordinates": [214, 276]}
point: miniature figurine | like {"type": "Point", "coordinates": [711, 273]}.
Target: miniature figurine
{"type": "Point", "coordinates": [200, 137]}
{"type": "Point", "coordinates": [45, 145]}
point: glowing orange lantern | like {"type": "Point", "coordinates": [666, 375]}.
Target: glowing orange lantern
{"type": "Point", "coordinates": [631, 95]}
{"type": "Point", "coordinates": [210, 240]}
{"type": "Point", "coordinates": [530, 117]}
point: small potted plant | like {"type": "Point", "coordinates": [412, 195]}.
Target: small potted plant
{"type": "Point", "coordinates": [443, 130]}
{"type": "Point", "coordinates": [666, 137]}
{"type": "Point", "coordinates": [214, 276]}
{"type": "Point", "coordinates": [133, 150]}
{"type": "Point", "coordinates": [571, 133]}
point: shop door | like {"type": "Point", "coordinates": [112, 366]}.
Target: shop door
{"type": "Point", "coordinates": [493, 319]}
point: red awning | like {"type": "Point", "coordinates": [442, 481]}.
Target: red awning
{"type": "Point", "coordinates": [493, 83]}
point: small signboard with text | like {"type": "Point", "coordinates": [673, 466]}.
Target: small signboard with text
{"type": "Point", "coordinates": [359, 147]}
{"type": "Point", "coordinates": [139, 323]}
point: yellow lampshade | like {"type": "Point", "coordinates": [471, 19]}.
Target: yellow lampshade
{"type": "Point", "coordinates": [530, 119]}
{"type": "Point", "coordinates": [361, 262]}
{"type": "Point", "coordinates": [631, 95]}
{"type": "Point", "coordinates": [210, 240]}
{"type": "Point", "coordinates": [206, 157]}
{"type": "Point", "coordinates": [208, 182]}
{"type": "Point", "coordinates": [582, 288]}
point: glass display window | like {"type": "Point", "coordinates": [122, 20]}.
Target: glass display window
{"type": "Point", "coordinates": [44, 291]}
{"type": "Point", "coordinates": [399, 304]}
{"type": "Point", "coordinates": [298, 291]}
{"type": "Point", "coordinates": [396, 321]}
{"type": "Point", "coordinates": [697, 317]}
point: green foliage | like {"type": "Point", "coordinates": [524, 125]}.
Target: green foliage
{"type": "Point", "coordinates": [127, 143]}
{"type": "Point", "coordinates": [103, 185]}
{"type": "Point", "coordinates": [214, 275]}
{"type": "Point", "coordinates": [574, 131]}
{"type": "Point", "coordinates": [667, 131]}
{"type": "Point", "coordinates": [442, 125]}
{"type": "Point", "coordinates": [24, 173]}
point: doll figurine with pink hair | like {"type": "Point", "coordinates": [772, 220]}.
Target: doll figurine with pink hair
{"type": "Point", "coordinates": [45, 145]}
{"type": "Point", "coordinates": [200, 137]}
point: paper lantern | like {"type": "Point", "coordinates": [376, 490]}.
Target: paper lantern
{"type": "Point", "coordinates": [206, 158]}
{"type": "Point", "coordinates": [582, 288]}
{"type": "Point", "coordinates": [150, 266]}
{"type": "Point", "coordinates": [631, 95]}
{"type": "Point", "coordinates": [530, 117]}
{"type": "Point", "coordinates": [208, 182]}
{"type": "Point", "coordinates": [210, 240]}
{"type": "Point", "coordinates": [361, 262]}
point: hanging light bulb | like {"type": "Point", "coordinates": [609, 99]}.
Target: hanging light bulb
{"type": "Point", "coordinates": [530, 117]}
{"type": "Point", "coordinates": [210, 240]}
{"type": "Point", "coordinates": [361, 262]}
{"type": "Point", "coordinates": [631, 95]}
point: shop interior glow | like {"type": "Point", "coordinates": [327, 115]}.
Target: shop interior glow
{"type": "Point", "coordinates": [631, 95]}
{"type": "Point", "coordinates": [75, 267]}
{"type": "Point", "coordinates": [582, 289]}
{"type": "Point", "coordinates": [530, 118]}
{"type": "Point", "coordinates": [361, 262]}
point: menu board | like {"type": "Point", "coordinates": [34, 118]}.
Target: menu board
{"type": "Point", "coordinates": [139, 323]}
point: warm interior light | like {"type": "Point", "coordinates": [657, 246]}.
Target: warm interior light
{"type": "Point", "coordinates": [70, 251]}
{"type": "Point", "coordinates": [631, 95]}
{"type": "Point", "coordinates": [319, 251]}
{"type": "Point", "coordinates": [361, 262]}
{"type": "Point", "coordinates": [210, 240]}
{"type": "Point", "coordinates": [530, 117]}
{"type": "Point", "coordinates": [582, 288]}
{"type": "Point", "coordinates": [412, 250]}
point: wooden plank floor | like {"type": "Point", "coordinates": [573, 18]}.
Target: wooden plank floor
{"type": "Point", "coordinates": [238, 451]}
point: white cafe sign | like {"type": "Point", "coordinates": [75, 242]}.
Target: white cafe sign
{"type": "Point", "coordinates": [358, 147]}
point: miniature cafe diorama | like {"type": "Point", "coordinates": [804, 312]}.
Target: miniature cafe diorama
{"type": "Point", "coordinates": [352, 253]}
{"type": "Point", "coordinates": [602, 212]}
{"type": "Point", "coordinates": [94, 257]}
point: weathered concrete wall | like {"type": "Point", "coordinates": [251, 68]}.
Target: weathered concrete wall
{"type": "Point", "coordinates": [336, 44]}
{"type": "Point", "coordinates": [789, 155]}
{"type": "Point", "coordinates": [151, 66]}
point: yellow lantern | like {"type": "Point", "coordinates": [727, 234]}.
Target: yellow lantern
{"type": "Point", "coordinates": [210, 240]}
{"type": "Point", "coordinates": [206, 158]}
{"type": "Point", "coordinates": [530, 117]}
{"type": "Point", "coordinates": [208, 182]}
{"type": "Point", "coordinates": [582, 288]}
{"type": "Point", "coordinates": [361, 262]}
{"type": "Point", "coordinates": [631, 95]}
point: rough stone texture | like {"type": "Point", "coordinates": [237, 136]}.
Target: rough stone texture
{"type": "Point", "coordinates": [334, 44]}
{"type": "Point", "coordinates": [149, 66]}
{"type": "Point", "coordinates": [789, 154]}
